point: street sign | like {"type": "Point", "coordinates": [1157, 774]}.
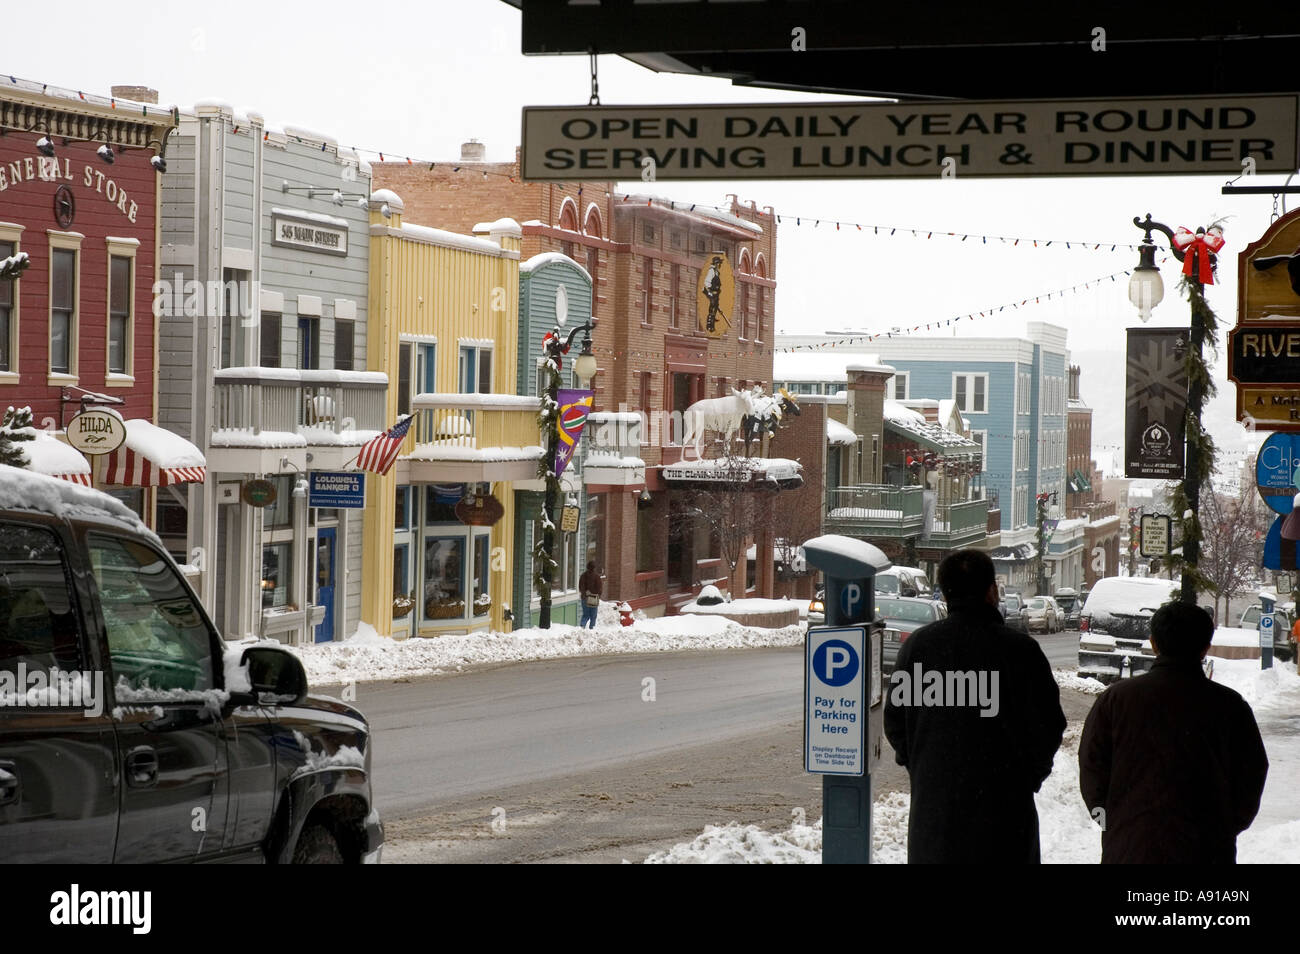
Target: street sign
{"type": "Point", "coordinates": [569, 520]}
{"type": "Point", "coordinates": [345, 490]}
{"type": "Point", "coordinates": [1266, 631]}
{"type": "Point", "coordinates": [1275, 471]}
{"type": "Point", "coordinates": [835, 700]}
{"type": "Point", "coordinates": [1148, 136]}
{"type": "Point", "coordinates": [96, 432]}
{"type": "Point", "coordinates": [1155, 533]}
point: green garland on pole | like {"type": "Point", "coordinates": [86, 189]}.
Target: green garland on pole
{"type": "Point", "coordinates": [547, 417]}
{"type": "Point", "coordinates": [1200, 445]}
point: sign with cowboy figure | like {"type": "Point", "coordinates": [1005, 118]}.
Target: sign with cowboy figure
{"type": "Point", "coordinates": [716, 296]}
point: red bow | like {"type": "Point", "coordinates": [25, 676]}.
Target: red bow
{"type": "Point", "coordinates": [1197, 248]}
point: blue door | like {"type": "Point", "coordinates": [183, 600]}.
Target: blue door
{"type": "Point", "coordinates": [325, 539]}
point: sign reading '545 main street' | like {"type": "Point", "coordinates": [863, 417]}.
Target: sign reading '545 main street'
{"type": "Point", "coordinates": [1160, 136]}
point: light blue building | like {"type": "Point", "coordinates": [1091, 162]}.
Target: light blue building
{"type": "Point", "coordinates": [1012, 393]}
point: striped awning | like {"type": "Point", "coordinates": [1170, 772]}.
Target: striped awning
{"type": "Point", "coordinates": [153, 457]}
{"type": "Point", "coordinates": [50, 456]}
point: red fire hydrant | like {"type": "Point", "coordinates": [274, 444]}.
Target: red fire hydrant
{"type": "Point", "coordinates": [625, 614]}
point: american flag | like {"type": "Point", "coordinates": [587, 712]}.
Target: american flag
{"type": "Point", "coordinates": [378, 453]}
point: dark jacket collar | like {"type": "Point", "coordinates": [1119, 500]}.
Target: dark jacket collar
{"type": "Point", "coordinates": [1169, 664]}
{"type": "Point", "coordinates": [979, 613]}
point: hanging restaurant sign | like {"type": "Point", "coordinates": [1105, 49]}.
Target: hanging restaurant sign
{"type": "Point", "coordinates": [1138, 136]}
{"type": "Point", "coordinates": [96, 432]}
{"type": "Point", "coordinates": [481, 510]}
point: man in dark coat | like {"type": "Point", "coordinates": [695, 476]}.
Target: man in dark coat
{"type": "Point", "coordinates": [974, 768]}
{"type": "Point", "coordinates": [1171, 764]}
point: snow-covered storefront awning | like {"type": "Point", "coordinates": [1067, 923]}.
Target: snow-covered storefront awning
{"type": "Point", "coordinates": [153, 457]}
{"type": "Point", "coordinates": [50, 456]}
{"type": "Point", "coordinates": [837, 433]}
{"type": "Point", "coordinates": [735, 473]}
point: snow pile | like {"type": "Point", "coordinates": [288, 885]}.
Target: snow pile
{"type": "Point", "coordinates": [747, 845]}
{"type": "Point", "coordinates": [1069, 679]}
{"type": "Point", "coordinates": [1269, 691]}
{"type": "Point", "coordinates": [1232, 636]}
{"type": "Point", "coordinates": [367, 656]}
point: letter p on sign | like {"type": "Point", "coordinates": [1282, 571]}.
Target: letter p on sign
{"type": "Point", "coordinates": [850, 599]}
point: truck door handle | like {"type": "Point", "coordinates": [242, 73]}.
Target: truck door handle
{"type": "Point", "coordinates": [142, 767]}
{"type": "Point", "coordinates": [10, 786]}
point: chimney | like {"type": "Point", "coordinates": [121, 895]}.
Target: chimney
{"type": "Point", "coordinates": [137, 94]}
{"type": "Point", "coordinates": [472, 151]}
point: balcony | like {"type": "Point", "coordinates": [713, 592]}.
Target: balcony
{"type": "Point", "coordinates": [958, 525]}
{"type": "Point", "coordinates": [472, 438]}
{"type": "Point", "coordinates": [874, 510]}
{"type": "Point", "coordinates": [612, 449]}
{"type": "Point", "coordinates": [261, 415]}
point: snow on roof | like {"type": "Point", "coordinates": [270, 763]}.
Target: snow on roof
{"type": "Point", "coordinates": [320, 217]}
{"type": "Point", "coordinates": [551, 258]}
{"type": "Point", "coordinates": [685, 209]}
{"type": "Point", "coordinates": [829, 367]}
{"type": "Point", "coordinates": [505, 224]}
{"type": "Point", "coordinates": [914, 424]}
{"type": "Point", "coordinates": [162, 447]}
{"type": "Point", "coordinates": [23, 490]}
{"type": "Point", "coordinates": [837, 433]}
{"type": "Point", "coordinates": [500, 402]}
{"type": "Point", "coordinates": [616, 417]}
{"type": "Point", "coordinates": [301, 132]}
{"type": "Point", "coordinates": [1128, 594]}
{"type": "Point", "coordinates": [394, 200]}
{"type": "Point", "coordinates": [49, 456]}
{"type": "Point", "coordinates": [425, 233]}
{"type": "Point", "coordinates": [455, 449]}
{"type": "Point", "coordinates": [306, 376]}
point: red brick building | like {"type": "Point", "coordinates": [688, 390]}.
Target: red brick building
{"type": "Point", "coordinates": [644, 254]}
{"type": "Point", "coordinates": [79, 195]}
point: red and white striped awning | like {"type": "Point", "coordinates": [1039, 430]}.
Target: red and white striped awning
{"type": "Point", "coordinates": [50, 456]}
{"type": "Point", "coordinates": [153, 457]}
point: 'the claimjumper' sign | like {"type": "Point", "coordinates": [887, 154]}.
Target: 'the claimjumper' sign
{"type": "Point", "coordinates": [1165, 136]}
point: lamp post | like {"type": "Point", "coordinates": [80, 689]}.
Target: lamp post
{"type": "Point", "coordinates": [585, 369]}
{"type": "Point", "coordinates": [1145, 291]}
{"type": "Point", "coordinates": [1042, 541]}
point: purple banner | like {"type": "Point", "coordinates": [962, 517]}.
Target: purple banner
{"type": "Point", "coordinates": [574, 406]}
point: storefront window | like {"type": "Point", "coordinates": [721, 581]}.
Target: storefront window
{"type": "Point", "coordinates": [277, 575]}
{"type": "Point", "coordinates": [645, 555]}
{"type": "Point", "coordinates": [402, 510]}
{"type": "Point", "coordinates": [440, 502]}
{"type": "Point", "coordinates": [444, 575]}
{"type": "Point", "coordinates": [482, 589]}
{"type": "Point", "coordinates": [133, 497]}
{"type": "Point", "coordinates": [595, 531]}
{"type": "Point", "coordinates": [279, 515]}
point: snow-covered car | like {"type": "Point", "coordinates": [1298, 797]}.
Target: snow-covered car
{"type": "Point", "coordinates": [903, 581]}
{"type": "Point", "coordinates": [1042, 615]}
{"type": "Point", "coordinates": [1115, 625]}
{"type": "Point", "coordinates": [1014, 613]}
{"type": "Point", "coordinates": [902, 616]}
{"type": "Point", "coordinates": [130, 732]}
{"type": "Point", "coordinates": [1069, 603]}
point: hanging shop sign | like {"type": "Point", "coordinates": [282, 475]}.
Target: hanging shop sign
{"type": "Point", "coordinates": [569, 520]}
{"type": "Point", "coordinates": [1136, 136]}
{"type": "Point", "coordinates": [258, 493]}
{"type": "Point", "coordinates": [96, 432]}
{"type": "Point", "coordinates": [1264, 348]}
{"type": "Point", "coordinates": [482, 510]}
{"type": "Point", "coordinates": [1155, 533]}
{"type": "Point", "coordinates": [1155, 403]}
{"type": "Point", "coordinates": [716, 295]}
{"type": "Point", "coordinates": [1277, 471]}
{"type": "Point", "coordinates": [309, 232]}
{"type": "Point", "coordinates": [345, 490]}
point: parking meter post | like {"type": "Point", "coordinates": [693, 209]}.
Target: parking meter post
{"type": "Point", "coordinates": [849, 567]}
{"type": "Point", "coordinates": [1266, 630]}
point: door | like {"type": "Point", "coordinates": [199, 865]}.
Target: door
{"type": "Point", "coordinates": [163, 672]}
{"type": "Point", "coordinates": [58, 785]}
{"type": "Point", "coordinates": [325, 539]}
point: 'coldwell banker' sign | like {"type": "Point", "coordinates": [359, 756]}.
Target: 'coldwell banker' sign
{"type": "Point", "coordinates": [1167, 136]}
{"type": "Point", "coordinates": [315, 234]}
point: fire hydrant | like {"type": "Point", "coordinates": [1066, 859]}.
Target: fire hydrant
{"type": "Point", "coordinates": [625, 614]}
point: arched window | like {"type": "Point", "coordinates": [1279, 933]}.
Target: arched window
{"type": "Point", "coordinates": [592, 225]}
{"type": "Point", "coordinates": [744, 264]}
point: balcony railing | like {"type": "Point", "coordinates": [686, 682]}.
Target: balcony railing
{"type": "Point", "coordinates": [958, 524]}
{"type": "Point", "coordinates": [475, 437]}
{"type": "Point", "coordinates": [877, 510]}
{"type": "Point", "coordinates": [282, 407]}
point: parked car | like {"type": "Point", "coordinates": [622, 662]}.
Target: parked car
{"type": "Point", "coordinates": [1070, 604]}
{"type": "Point", "coordinates": [902, 616]}
{"type": "Point", "coordinates": [1284, 645]}
{"type": "Point", "coordinates": [1042, 615]}
{"type": "Point", "coordinates": [817, 607]}
{"type": "Point", "coordinates": [163, 743]}
{"type": "Point", "coordinates": [1016, 615]}
{"type": "Point", "coordinates": [904, 581]}
{"type": "Point", "coordinates": [1115, 625]}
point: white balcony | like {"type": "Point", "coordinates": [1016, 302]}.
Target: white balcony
{"type": "Point", "coordinates": [472, 438]}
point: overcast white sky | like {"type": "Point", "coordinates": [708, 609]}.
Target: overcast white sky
{"type": "Point", "coordinates": [418, 81]}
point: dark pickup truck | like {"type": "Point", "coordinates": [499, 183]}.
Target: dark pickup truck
{"type": "Point", "coordinates": [129, 732]}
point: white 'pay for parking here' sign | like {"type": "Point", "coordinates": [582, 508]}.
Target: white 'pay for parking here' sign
{"type": "Point", "coordinates": [835, 710]}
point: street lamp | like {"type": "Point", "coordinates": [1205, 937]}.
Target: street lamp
{"type": "Point", "coordinates": [584, 366]}
{"type": "Point", "coordinates": [1146, 290]}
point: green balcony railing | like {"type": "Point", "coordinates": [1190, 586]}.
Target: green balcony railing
{"type": "Point", "coordinates": [958, 524]}
{"type": "Point", "coordinates": [874, 510]}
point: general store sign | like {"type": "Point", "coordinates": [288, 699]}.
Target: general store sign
{"type": "Point", "coordinates": [311, 235]}
{"type": "Point", "coordinates": [1162, 136]}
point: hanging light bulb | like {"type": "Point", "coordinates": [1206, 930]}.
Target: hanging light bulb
{"type": "Point", "coordinates": [105, 152]}
{"type": "Point", "coordinates": [45, 147]}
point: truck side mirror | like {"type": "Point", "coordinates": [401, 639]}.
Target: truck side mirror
{"type": "Point", "coordinates": [275, 672]}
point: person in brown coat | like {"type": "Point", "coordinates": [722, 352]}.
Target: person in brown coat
{"type": "Point", "coordinates": [1171, 764]}
{"type": "Point", "coordinates": [589, 595]}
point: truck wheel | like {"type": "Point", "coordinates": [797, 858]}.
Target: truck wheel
{"type": "Point", "coordinates": [317, 846]}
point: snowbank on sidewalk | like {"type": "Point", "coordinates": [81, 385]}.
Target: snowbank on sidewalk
{"type": "Point", "coordinates": [368, 656]}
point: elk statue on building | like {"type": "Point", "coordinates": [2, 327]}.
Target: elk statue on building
{"type": "Point", "coordinates": [751, 413]}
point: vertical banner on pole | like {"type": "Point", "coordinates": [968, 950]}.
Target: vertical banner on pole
{"type": "Point", "coordinates": [574, 407]}
{"type": "Point", "coordinates": [1155, 403]}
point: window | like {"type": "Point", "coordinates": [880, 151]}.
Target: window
{"type": "Point", "coordinates": [268, 350]}
{"type": "Point", "coordinates": [674, 302]}
{"type": "Point", "coordinates": [37, 616]}
{"type": "Point", "coordinates": [277, 575]}
{"type": "Point", "coordinates": [645, 551]}
{"type": "Point", "coordinates": [8, 299]}
{"type": "Point", "coordinates": [677, 240]}
{"type": "Point", "coordinates": [758, 311]}
{"type": "Point", "coordinates": [647, 289]}
{"type": "Point", "coordinates": [898, 386]}
{"type": "Point", "coordinates": [157, 638]}
{"type": "Point", "coordinates": [345, 332]}
{"type": "Point", "coordinates": [119, 313]}
{"type": "Point", "coordinates": [475, 370]}
{"type": "Point", "coordinates": [482, 594]}
{"type": "Point", "coordinates": [744, 310]}
{"type": "Point", "coordinates": [402, 509]}
{"type": "Point", "coordinates": [234, 312]}
{"type": "Point", "coordinates": [970, 391]}
{"type": "Point", "coordinates": [404, 351]}
{"type": "Point", "coordinates": [647, 233]}
{"type": "Point", "coordinates": [63, 310]}
{"type": "Point", "coordinates": [444, 573]}
{"type": "Point", "coordinates": [982, 439]}
{"type": "Point", "coordinates": [595, 531]}
{"type": "Point", "coordinates": [644, 397]}
{"type": "Point", "coordinates": [279, 515]}
{"type": "Point", "coordinates": [308, 343]}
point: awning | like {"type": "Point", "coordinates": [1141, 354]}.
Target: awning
{"type": "Point", "coordinates": [50, 456]}
{"type": "Point", "coordinates": [153, 457]}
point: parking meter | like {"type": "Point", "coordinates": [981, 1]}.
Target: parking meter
{"type": "Point", "coordinates": [1267, 623]}
{"type": "Point", "coordinates": [844, 694]}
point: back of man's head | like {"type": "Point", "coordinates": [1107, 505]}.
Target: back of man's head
{"type": "Point", "coordinates": [965, 577]}
{"type": "Point", "coordinates": [1181, 631]}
